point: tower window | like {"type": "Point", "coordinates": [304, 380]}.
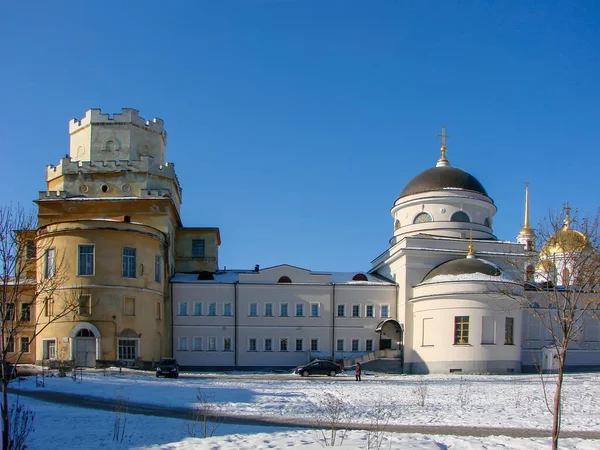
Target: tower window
{"type": "Point", "coordinates": [487, 222]}
{"type": "Point", "coordinates": [284, 279]}
{"type": "Point", "coordinates": [360, 277]}
{"type": "Point", "coordinates": [197, 248]}
{"type": "Point", "coordinates": [396, 224]}
{"type": "Point", "coordinates": [422, 218]}
{"type": "Point", "coordinates": [460, 216]}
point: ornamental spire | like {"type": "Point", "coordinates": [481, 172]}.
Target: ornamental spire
{"type": "Point", "coordinates": [443, 162]}
{"type": "Point", "coordinates": [526, 227]}
{"type": "Point", "coordinates": [568, 220]}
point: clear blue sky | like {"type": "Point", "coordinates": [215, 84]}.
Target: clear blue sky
{"type": "Point", "coordinates": [294, 125]}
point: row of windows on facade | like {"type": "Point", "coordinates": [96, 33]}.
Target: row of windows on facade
{"type": "Point", "coordinates": [268, 345]}
{"type": "Point", "coordinates": [536, 331]}
{"type": "Point", "coordinates": [458, 216]}
{"type": "Point", "coordinates": [268, 310]}
{"type": "Point", "coordinates": [86, 263]}
{"type": "Point", "coordinates": [461, 330]}
{"type": "Point", "coordinates": [84, 308]}
{"type": "Point", "coordinates": [127, 349]}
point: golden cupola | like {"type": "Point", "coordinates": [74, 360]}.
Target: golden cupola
{"type": "Point", "coordinates": [566, 240]}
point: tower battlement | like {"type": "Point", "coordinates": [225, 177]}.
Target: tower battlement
{"type": "Point", "coordinates": [127, 116]}
{"type": "Point", "coordinates": [145, 164]}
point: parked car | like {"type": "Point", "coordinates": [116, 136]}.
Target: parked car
{"type": "Point", "coordinates": [167, 367]}
{"type": "Point", "coordinates": [319, 367]}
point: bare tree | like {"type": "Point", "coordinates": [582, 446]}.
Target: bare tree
{"type": "Point", "coordinates": [332, 416]}
{"type": "Point", "coordinates": [561, 290]}
{"type": "Point", "coordinates": [31, 298]}
{"type": "Point", "coordinates": [207, 414]}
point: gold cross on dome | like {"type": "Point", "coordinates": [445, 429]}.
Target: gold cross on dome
{"type": "Point", "coordinates": [444, 136]}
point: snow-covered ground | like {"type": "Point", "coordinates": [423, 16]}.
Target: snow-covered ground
{"type": "Point", "coordinates": [514, 401]}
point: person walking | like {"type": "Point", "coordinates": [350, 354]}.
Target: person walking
{"type": "Point", "coordinates": [358, 372]}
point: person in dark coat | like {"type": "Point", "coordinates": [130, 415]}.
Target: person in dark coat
{"type": "Point", "coordinates": [358, 372]}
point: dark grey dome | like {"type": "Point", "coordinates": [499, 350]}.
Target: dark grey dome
{"type": "Point", "coordinates": [464, 266]}
{"type": "Point", "coordinates": [438, 178]}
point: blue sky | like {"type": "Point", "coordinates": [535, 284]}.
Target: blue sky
{"type": "Point", "coordinates": [294, 125]}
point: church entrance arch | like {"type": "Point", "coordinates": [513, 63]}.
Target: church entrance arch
{"type": "Point", "coordinates": [390, 335]}
{"type": "Point", "coordinates": [85, 344]}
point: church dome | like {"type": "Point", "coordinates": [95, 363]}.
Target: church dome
{"type": "Point", "coordinates": [443, 177]}
{"type": "Point", "coordinates": [565, 240]}
{"type": "Point", "coordinates": [463, 266]}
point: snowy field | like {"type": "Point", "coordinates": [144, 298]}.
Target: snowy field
{"type": "Point", "coordinates": [514, 401]}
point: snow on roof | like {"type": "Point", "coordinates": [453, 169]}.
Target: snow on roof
{"type": "Point", "coordinates": [232, 276]}
{"type": "Point", "coordinates": [468, 277]}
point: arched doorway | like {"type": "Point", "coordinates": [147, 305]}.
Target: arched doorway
{"type": "Point", "coordinates": [85, 344]}
{"type": "Point", "coordinates": [390, 335]}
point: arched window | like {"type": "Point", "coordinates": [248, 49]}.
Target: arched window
{"type": "Point", "coordinates": [460, 216]}
{"type": "Point", "coordinates": [360, 277]}
{"type": "Point", "coordinates": [396, 224]}
{"type": "Point", "coordinates": [204, 276]}
{"type": "Point", "coordinates": [284, 279]}
{"type": "Point", "coordinates": [85, 332]}
{"type": "Point", "coordinates": [422, 218]}
{"type": "Point", "coordinates": [487, 222]}
{"type": "Point", "coordinates": [529, 273]}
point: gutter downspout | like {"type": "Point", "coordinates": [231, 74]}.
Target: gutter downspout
{"type": "Point", "coordinates": [171, 318]}
{"type": "Point", "coordinates": [333, 322]}
{"type": "Point", "coordinates": [235, 324]}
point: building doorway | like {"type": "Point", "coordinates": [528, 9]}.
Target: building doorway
{"type": "Point", "coordinates": [85, 344]}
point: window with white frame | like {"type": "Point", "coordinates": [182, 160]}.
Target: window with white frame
{"type": "Point", "coordinates": [252, 345]}
{"type": "Point", "coordinates": [355, 345]}
{"type": "Point", "coordinates": [370, 311]}
{"type": "Point", "coordinates": [85, 305]}
{"type": "Point", "coordinates": [157, 268]}
{"type": "Point", "coordinates": [129, 306]}
{"type": "Point", "coordinates": [49, 349]}
{"type": "Point", "coordinates": [227, 344]}
{"type": "Point", "coordinates": [85, 264]}
{"type": "Point", "coordinates": [591, 328]}
{"type": "Point", "coordinates": [25, 344]}
{"type": "Point", "coordinates": [341, 310]}
{"type": "Point", "coordinates": [197, 309]}
{"type": "Point", "coordinates": [268, 345]}
{"type": "Point", "coordinates": [197, 345]}
{"type": "Point", "coordinates": [355, 310]}
{"type": "Point", "coordinates": [253, 309]}
{"type": "Point", "coordinates": [50, 263]}
{"type": "Point", "coordinates": [299, 345]}
{"type": "Point", "coordinates": [212, 344]}
{"type": "Point", "coordinates": [25, 312]}
{"type": "Point", "coordinates": [339, 346]}
{"type": "Point", "coordinates": [314, 310]}
{"type": "Point", "coordinates": [48, 307]}
{"type": "Point", "coordinates": [182, 309]}
{"type": "Point", "coordinates": [283, 345]}
{"type": "Point", "coordinates": [299, 309]}
{"type": "Point", "coordinates": [369, 345]}
{"type": "Point", "coordinates": [198, 248]}
{"type": "Point", "coordinates": [269, 309]}
{"type": "Point", "coordinates": [283, 310]}
{"type": "Point", "coordinates": [182, 344]}
{"type": "Point", "coordinates": [9, 314]}
{"type": "Point", "coordinates": [227, 309]}
{"type": "Point", "coordinates": [212, 309]}
{"type": "Point", "coordinates": [314, 345]}
{"type": "Point", "coordinates": [385, 311]}
{"type": "Point", "coordinates": [509, 331]}
{"type": "Point", "coordinates": [128, 349]}
{"type": "Point", "coordinates": [129, 262]}
{"type": "Point", "coordinates": [10, 344]}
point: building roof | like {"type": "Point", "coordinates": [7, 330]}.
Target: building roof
{"type": "Point", "coordinates": [439, 178]}
{"type": "Point", "coordinates": [464, 266]}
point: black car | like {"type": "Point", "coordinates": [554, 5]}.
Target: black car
{"type": "Point", "coordinates": [167, 367]}
{"type": "Point", "coordinates": [319, 367]}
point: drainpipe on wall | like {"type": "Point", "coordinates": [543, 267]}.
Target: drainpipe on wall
{"type": "Point", "coordinates": [235, 326]}
{"type": "Point", "coordinates": [333, 323]}
{"type": "Point", "coordinates": [171, 318]}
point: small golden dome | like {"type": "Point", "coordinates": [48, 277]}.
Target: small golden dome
{"type": "Point", "coordinates": [565, 241]}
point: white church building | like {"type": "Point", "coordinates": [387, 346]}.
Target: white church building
{"type": "Point", "coordinates": [446, 296]}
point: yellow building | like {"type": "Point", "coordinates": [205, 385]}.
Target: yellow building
{"type": "Point", "coordinates": [109, 227]}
